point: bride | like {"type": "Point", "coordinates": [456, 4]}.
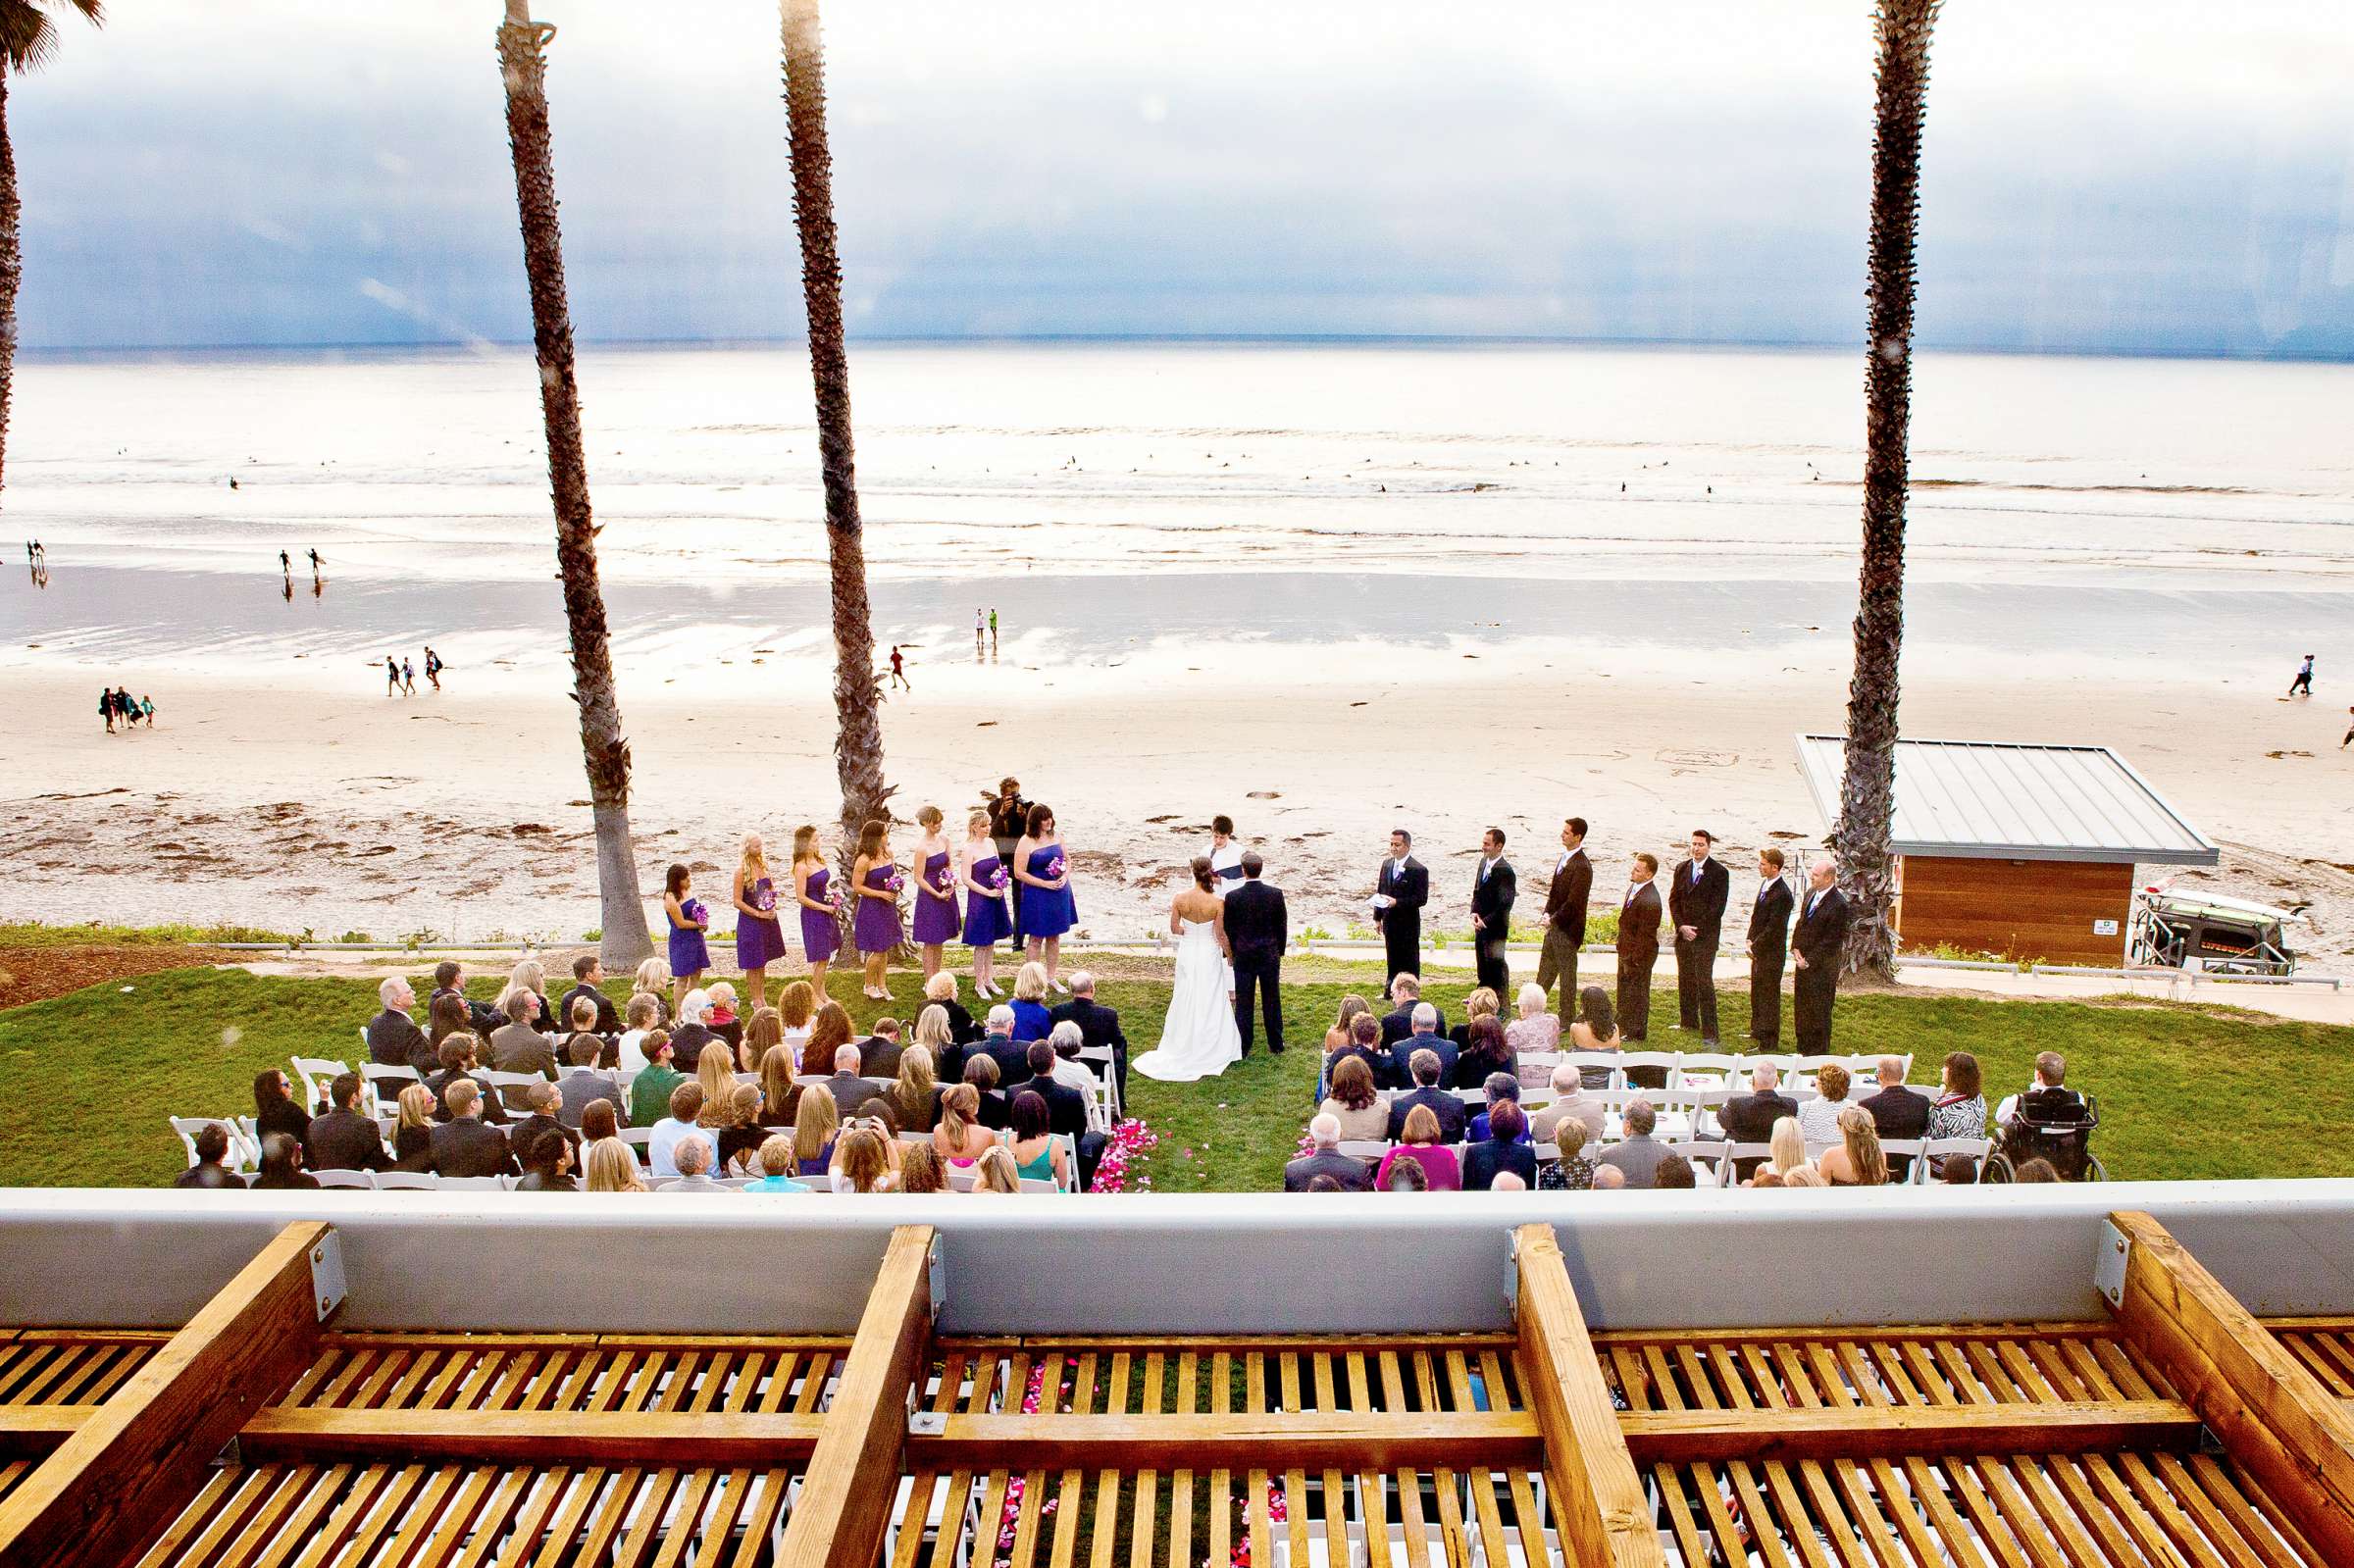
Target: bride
{"type": "Point", "coordinates": [1198, 1038]}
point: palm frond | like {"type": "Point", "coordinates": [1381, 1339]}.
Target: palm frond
{"type": "Point", "coordinates": [28, 36]}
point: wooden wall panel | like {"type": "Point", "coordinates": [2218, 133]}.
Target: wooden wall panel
{"type": "Point", "coordinates": [2019, 908]}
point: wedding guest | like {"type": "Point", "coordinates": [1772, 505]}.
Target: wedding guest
{"type": "Point", "coordinates": [694, 1161]}
{"type": "Point", "coordinates": [1482, 1002]}
{"type": "Point", "coordinates": [996, 1173]}
{"type": "Point", "coordinates": [1402, 1070]}
{"type": "Point", "coordinates": [584, 1031]}
{"type": "Point", "coordinates": [602, 1119]}
{"type": "Point", "coordinates": [541, 1102]}
{"type": "Point", "coordinates": [651, 1088]}
{"type": "Point", "coordinates": [690, 953]}
{"type": "Point", "coordinates": [274, 1107]}
{"type": "Point", "coordinates": [685, 1113]}
{"type": "Point", "coordinates": [777, 1167]}
{"type": "Point", "coordinates": [1957, 1170]}
{"type": "Point", "coordinates": [1031, 1020]}
{"type": "Point", "coordinates": [413, 1132]}
{"type": "Point", "coordinates": [588, 985]}
{"type": "Point", "coordinates": [759, 938]}
{"type": "Point", "coordinates": [937, 1036]}
{"type": "Point", "coordinates": [960, 1136]}
{"type": "Point", "coordinates": [1787, 1153]}
{"type": "Point", "coordinates": [1570, 1104]}
{"type": "Point", "coordinates": [1485, 1055]}
{"type": "Point", "coordinates": [1534, 1031]}
{"type": "Point", "coordinates": [1636, 1156]}
{"type": "Point", "coordinates": [829, 1032]}
{"type": "Point", "coordinates": [821, 915]}
{"type": "Point", "coordinates": [1857, 1160]}
{"type": "Point", "coordinates": [612, 1167]}
{"type": "Point", "coordinates": [878, 1052]}
{"type": "Point", "coordinates": [796, 1010]}
{"type": "Point", "coordinates": [763, 1034]}
{"type": "Point", "coordinates": [715, 1072]}
{"type": "Point", "coordinates": [742, 1135]}
{"type": "Point", "coordinates": [1362, 1040]}
{"type": "Point", "coordinates": [814, 1124]}
{"type": "Point", "coordinates": [962, 1028]}
{"type": "Point", "coordinates": [861, 1162]}
{"type": "Point", "coordinates": [282, 1167]}
{"type": "Point", "coordinates": [1595, 1028]}
{"type": "Point", "coordinates": [850, 1091]}
{"type": "Point", "coordinates": [1406, 1176]}
{"type": "Point", "coordinates": [1445, 1106]}
{"type": "Point", "coordinates": [779, 1094]}
{"type": "Point", "coordinates": [393, 1037]}
{"type": "Point", "coordinates": [915, 1095]}
{"type": "Point", "coordinates": [694, 1034]}
{"type": "Point", "coordinates": [875, 879]}
{"type": "Point", "coordinates": [1696, 901]}
{"type": "Point", "coordinates": [1818, 1118]}
{"type": "Point", "coordinates": [1406, 995]}
{"type": "Point", "coordinates": [1960, 1108]}
{"type": "Point", "coordinates": [463, 1145]}
{"type": "Point", "coordinates": [723, 1018]}
{"type": "Point", "coordinates": [934, 924]}
{"type": "Point", "coordinates": [2034, 1169]}
{"type": "Point", "coordinates": [548, 1165]}
{"type": "Point", "coordinates": [577, 1091]}
{"type": "Point", "coordinates": [211, 1170]}
{"type": "Point", "coordinates": [1638, 945]}
{"type": "Point", "coordinates": [1573, 1171]}
{"type": "Point", "coordinates": [1327, 1162]}
{"type": "Point", "coordinates": [1047, 909]}
{"type": "Point", "coordinates": [461, 1061]}
{"type": "Point", "coordinates": [1356, 1107]}
{"type": "Point", "coordinates": [982, 873]}
{"type": "Point", "coordinates": [1037, 1154]}
{"type": "Point", "coordinates": [451, 1014]}
{"type": "Point", "coordinates": [530, 974]}
{"type": "Point", "coordinates": [1067, 1106]}
{"type": "Point", "coordinates": [982, 1074]}
{"type": "Point", "coordinates": [1505, 1148]}
{"type": "Point", "coordinates": [519, 1046]}
{"type": "Point", "coordinates": [1418, 1142]}
{"type": "Point", "coordinates": [653, 979]}
{"type": "Point", "coordinates": [342, 1138]}
{"type": "Point", "coordinates": [920, 1171]}
{"type": "Point", "coordinates": [1501, 1089]}
{"type": "Point", "coordinates": [1674, 1174]}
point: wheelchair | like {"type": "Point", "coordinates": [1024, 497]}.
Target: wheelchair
{"type": "Point", "coordinates": [2067, 1144]}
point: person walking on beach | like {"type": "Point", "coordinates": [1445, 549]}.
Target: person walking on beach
{"type": "Point", "coordinates": [980, 624]}
{"type": "Point", "coordinates": [408, 678]}
{"type": "Point", "coordinates": [106, 708]}
{"type": "Point", "coordinates": [285, 564]}
{"type": "Point", "coordinates": [2304, 681]}
{"type": "Point", "coordinates": [147, 709]}
{"type": "Point", "coordinates": [432, 667]}
{"type": "Point", "coordinates": [899, 668]}
{"type": "Point", "coordinates": [392, 677]}
{"type": "Point", "coordinates": [314, 563]}
{"type": "Point", "coordinates": [2341, 745]}
{"type": "Point", "coordinates": [992, 628]}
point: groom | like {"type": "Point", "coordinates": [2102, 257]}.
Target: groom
{"type": "Point", "coordinates": [1258, 930]}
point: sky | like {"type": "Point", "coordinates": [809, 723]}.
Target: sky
{"type": "Point", "coordinates": [2154, 177]}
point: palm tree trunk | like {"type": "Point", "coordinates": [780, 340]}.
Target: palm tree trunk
{"type": "Point", "coordinates": [12, 271]}
{"type": "Point", "coordinates": [858, 734]}
{"type": "Point", "coordinates": [606, 751]}
{"type": "Point", "coordinates": [1867, 794]}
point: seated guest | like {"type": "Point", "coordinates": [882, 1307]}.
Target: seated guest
{"type": "Point", "coordinates": [1066, 1107]}
{"type": "Point", "coordinates": [644, 1016]}
{"type": "Point", "coordinates": [584, 1030]}
{"type": "Point", "coordinates": [796, 1008]}
{"type": "Point", "coordinates": [914, 1097]}
{"type": "Point", "coordinates": [1481, 1004]}
{"type": "Point", "coordinates": [1501, 1089]}
{"type": "Point", "coordinates": [577, 1091]}
{"type": "Point", "coordinates": [413, 1131]}
{"type": "Point", "coordinates": [850, 1091]}
{"type": "Point", "coordinates": [2051, 1102]}
{"type": "Point", "coordinates": [861, 1162]}
{"type": "Point", "coordinates": [1037, 1154]}
{"type": "Point", "coordinates": [587, 976]}
{"type": "Point", "coordinates": [960, 1136]}
{"type": "Point", "coordinates": [461, 1061]}
{"type": "Point", "coordinates": [1595, 1028]}
{"type": "Point", "coordinates": [1749, 1118]}
{"type": "Point", "coordinates": [779, 1094]}
{"type": "Point", "coordinates": [1961, 1107]}
{"type": "Point", "coordinates": [1897, 1112]}
{"type": "Point", "coordinates": [716, 1072]}
{"type": "Point", "coordinates": [1673, 1172]}
{"type": "Point", "coordinates": [1069, 1070]}
{"type": "Point", "coordinates": [878, 1052]}
{"type": "Point", "coordinates": [543, 1102]}
{"type": "Point", "coordinates": [1405, 993]}
{"type": "Point", "coordinates": [274, 1107]}
{"type": "Point", "coordinates": [1420, 1144]}
{"type": "Point", "coordinates": [1424, 1037]}
{"type": "Point", "coordinates": [1324, 1131]}
{"type": "Point", "coordinates": [1356, 1107]}
{"type": "Point", "coordinates": [998, 1043]}
{"type": "Point", "coordinates": [1352, 1007]}
{"type": "Point", "coordinates": [211, 1169]}
{"type": "Point", "coordinates": [1637, 1156]}
{"type": "Point", "coordinates": [1609, 1179]}
{"type": "Point", "coordinates": [465, 1145]}
{"type": "Point", "coordinates": [692, 1156]}
{"type": "Point", "coordinates": [742, 1135]}
{"type": "Point", "coordinates": [1507, 1181]}
{"type": "Point", "coordinates": [282, 1166]}
{"type": "Point", "coordinates": [1959, 1169]}
{"type": "Point", "coordinates": [981, 1072]}
{"type": "Point", "coordinates": [519, 1046]}
{"type": "Point", "coordinates": [342, 1140]}
{"type": "Point", "coordinates": [1818, 1118]}
{"type": "Point", "coordinates": [1573, 1171]}
{"type": "Point", "coordinates": [777, 1167]}
{"type": "Point", "coordinates": [612, 1167]}
{"type": "Point", "coordinates": [996, 1173]}
{"type": "Point", "coordinates": [393, 1037]}
{"type": "Point", "coordinates": [1570, 1104]}
{"type": "Point", "coordinates": [450, 1015]}
{"type": "Point", "coordinates": [937, 1036]}
{"type": "Point", "coordinates": [1099, 1026]}
{"type": "Point", "coordinates": [941, 991]}
{"type": "Point", "coordinates": [1031, 1020]}
{"type": "Point", "coordinates": [829, 1031]}
{"type": "Point", "coordinates": [530, 974]}
{"type": "Point", "coordinates": [655, 979]}
{"type": "Point", "coordinates": [814, 1125]}
{"type": "Point", "coordinates": [599, 1121]}
{"type": "Point", "coordinates": [1505, 1148]}
{"type": "Point", "coordinates": [1364, 1044]}
{"type": "Point", "coordinates": [548, 1164]}
{"type": "Point", "coordinates": [1405, 1175]}
{"type": "Point", "coordinates": [1856, 1160]}
{"type": "Point", "coordinates": [1533, 1032]}
{"type": "Point", "coordinates": [2036, 1170]}
{"type": "Point", "coordinates": [686, 1109]}
{"type": "Point", "coordinates": [763, 1033]}
{"type": "Point", "coordinates": [1485, 1054]}
{"type": "Point", "coordinates": [1789, 1147]}
{"type": "Point", "coordinates": [655, 1083]}
{"type": "Point", "coordinates": [449, 980]}
{"type": "Point", "coordinates": [1444, 1106]}
{"type": "Point", "coordinates": [920, 1171]}
{"type": "Point", "coordinates": [693, 1033]}
{"type": "Point", "coordinates": [721, 1017]}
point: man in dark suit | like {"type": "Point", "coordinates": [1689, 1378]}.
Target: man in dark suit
{"type": "Point", "coordinates": [587, 974]}
{"type": "Point", "coordinates": [577, 1091]}
{"type": "Point", "coordinates": [1696, 904]}
{"type": "Point", "coordinates": [850, 1091]}
{"type": "Point", "coordinates": [1011, 1055]}
{"type": "Point", "coordinates": [1897, 1112]}
{"type": "Point", "coordinates": [342, 1140]}
{"type": "Point", "coordinates": [1819, 940]}
{"type": "Point", "coordinates": [1406, 991]}
{"type": "Point", "coordinates": [1425, 1038]}
{"type": "Point", "coordinates": [1324, 1131]}
{"type": "Point", "coordinates": [1638, 946]}
{"type": "Point", "coordinates": [1444, 1105]}
{"type": "Point", "coordinates": [463, 1145]}
{"type": "Point", "coordinates": [1066, 1107]}
{"type": "Point", "coordinates": [1398, 895]}
{"type": "Point", "coordinates": [544, 1102]}
{"type": "Point", "coordinates": [1749, 1118]}
{"type": "Point", "coordinates": [1099, 1026]}
{"type": "Point", "coordinates": [1258, 933]}
{"type": "Point", "coordinates": [879, 1052]}
{"type": "Point", "coordinates": [1494, 888]}
{"type": "Point", "coordinates": [1565, 916]}
{"type": "Point", "coordinates": [1768, 947]}
{"type": "Point", "coordinates": [450, 980]}
{"type": "Point", "coordinates": [393, 1037]}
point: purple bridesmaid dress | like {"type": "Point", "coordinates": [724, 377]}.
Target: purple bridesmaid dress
{"type": "Point", "coordinates": [821, 938]}
{"type": "Point", "coordinates": [876, 929]}
{"type": "Point", "coordinates": [936, 918]}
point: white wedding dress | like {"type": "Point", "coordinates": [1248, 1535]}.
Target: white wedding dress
{"type": "Point", "coordinates": [1198, 1038]}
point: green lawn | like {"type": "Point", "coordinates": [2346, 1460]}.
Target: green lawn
{"type": "Point", "coordinates": [2185, 1093]}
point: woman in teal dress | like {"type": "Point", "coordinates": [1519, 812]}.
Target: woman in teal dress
{"type": "Point", "coordinates": [1037, 1154]}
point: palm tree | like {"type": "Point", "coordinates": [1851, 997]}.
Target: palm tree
{"type": "Point", "coordinates": [1867, 794]}
{"type": "Point", "coordinates": [27, 38]}
{"type": "Point", "coordinates": [626, 941]}
{"type": "Point", "coordinates": [857, 695]}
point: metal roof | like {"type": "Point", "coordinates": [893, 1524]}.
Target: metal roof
{"type": "Point", "coordinates": [1998, 800]}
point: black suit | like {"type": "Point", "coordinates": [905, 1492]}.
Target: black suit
{"type": "Point", "coordinates": [1350, 1173]}
{"type": "Point", "coordinates": [1769, 950]}
{"type": "Point", "coordinates": [1446, 1107]}
{"type": "Point", "coordinates": [1396, 1026]}
{"type": "Point", "coordinates": [1898, 1112]}
{"type": "Point", "coordinates": [1482, 1161]}
{"type": "Point", "coordinates": [1401, 1058]}
{"type": "Point", "coordinates": [1566, 927]}
{"type": "Point", "coordinates": [1638, 949]}
{"type": "Point", "coordinates": [1749, 1119]}
{"type": "Point", "coordinates": [1259, 932]}
{"type": "Point", "coordinates": [1696, 898]}
{"type": "Point", "coordinates": [608, 1022]}
{"type": "Point", "coordinates": [1401, 924]}
{"type": "Point", "coordinates": [1066, 1107]}
{"type": "Point", "coordinates": [494, 1110]}
{"type": "Point", "coordinates": [466, 1147]}
{"type": "Point", "coordinates": [395, 1041]}
{"type": "Point", "coordinates": [1098, 1026]}
{"type": "Point", "coordinates": [1491, 898]}
{"type": "Point", "coordinates": [1820, 939]}
{"type": "Point", "coordinates": [483, 1017]}
{"type": "Point", "coordinates": [344, 1141]}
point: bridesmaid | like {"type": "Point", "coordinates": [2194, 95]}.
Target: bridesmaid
{"type": "Point", "coordinates": [821, 933]}
{"type": "Point", "coordinates": [1047, 907]}
{"type": "Point", "coordinates": [689, 954]}
{"type": "Point", "coordinates": [987, 920]}
{"type": "Point", "coordinates": [760, 939]}
{"type": "Point", "coordinates": [935, 923]}
{"type": "Point", "coordinates": [876, 880]}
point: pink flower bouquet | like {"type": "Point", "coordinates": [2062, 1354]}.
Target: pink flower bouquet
{"type": "Point", "coordinates": [895, 881]}
{"type": "Point", "coordinates": [764, 899]}
{"type": "Point", "coordinates": [1001, 879]}
{"type": "Point", "coordinates": [694, 911]}
{"type": "Point", "coordinates": [1054, 869]}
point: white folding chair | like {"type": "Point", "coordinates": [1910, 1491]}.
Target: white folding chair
{"type": "Point", "coordinates": [1703, 1104]}
{"type": "Point", "coordinates": [641, 1142]}
{"type": "Point", "coordinates": [470, 1184]}
{"type": "Point", "coordinates": [362, 1041]}
{"type": "Point", "coordinates": [1098, 1058]}
{"type": "Point", "coordinates": [1907, 1149]}
{"type": "Point", "coordinates": [1935, 1149]}
{"type": "Point", "coordinates": [503, 1082]}
{"type": "Point", "coordinates": [394, 1080]}
{"type": "Point", "coordinates": [1707, 1157]}
{"type": "Point", "coordinates": [242, 1155]}
{"type": "Point", "coordinates": [405, 1182]}
{"type": "Point", "coordinates": [1606, 1062]}
{"type": "Point", "coordinates": [1373, 1151]}
{"type": "Point", "coordinates": [1734, 1153]}
{"type": "Point", "coordinates": [1702, 1070]}
{"type": "Point", "coordinates": [1031, 1183]}
{"type": "Point", "coordinates": [962, 1177]}
{"type": "Point", "coordinates": [1629, 1061]}
{"type": "Point", "coordinates": [316, 1074]}
{"type": "Point", "coordinates": [352, 1178]}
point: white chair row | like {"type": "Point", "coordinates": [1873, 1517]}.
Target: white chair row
{"type": "Point", "coordinates": [1714, 1069]}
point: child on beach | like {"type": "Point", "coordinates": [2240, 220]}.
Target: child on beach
{"type": "Point", "coordinates": [899, 668]}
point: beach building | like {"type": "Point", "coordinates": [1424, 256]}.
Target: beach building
{"type": "Point", "coordinates": [2023, 850]}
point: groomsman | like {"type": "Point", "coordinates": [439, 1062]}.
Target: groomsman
{"type": "Point", "coordinates": [1258, 931]}
{"type": "Point", "coordinates": [1696, 903]}
{"type": "Point", "coordinates": [1820, 940]}
{"type": "Point", "coordinates": [1768, 947]}
{"type": "Point", "coordinates": [1565, 916]}
{"type": "Point", "coordinates": [1397, 900]}
{"type": "Point", "coordinates": [1494, 888]}
{"type": "Point", "coordinates": [1638, 946]}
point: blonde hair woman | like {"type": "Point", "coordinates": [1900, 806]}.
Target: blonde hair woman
{"type": "Point", "coordinates": [529, 976]}
{"type": "Point", "coordinates": [916, 1094]}
{"type": "Point", "coordinates": [653, 979]}
{"type": "Point", "coordinates": [611, 1167]}
{"type": "Point", "coordinates": [715, 1070]}
{"type": "Point", "coordinates": [814, 1123]}
{"type": "Point", "coordinates": [988, 921]}
{"type": "Point", "coordinates": [1788, 1145]}
{"type": "Point", "coordinates": [760, 939]}
{"type": "Point", "coordinates": [413, 1137]}
{"type": "Point", "coordinates": [874, 930]}
{"type": "Point", "coordinates": [933, 1031]}
{"type": "Point", "coordinates": [1857, 1161]}
{"type": "Point", "coordinates": [765, 1028]}
{"type": "Point", "coordinates": [777, 1092]}
{"type": "Point", "coordinates": [1031, 1020]}
{"type": "Point", "coordinates": [861, 1162]}
{"type": "Point", "coordinates": [960, 1139]}
{"type": "Point", "coordinates": [935, 923]}
{"type": "Point", "coordinates": [821, 923]}
{"type": "Point", "coordinates": [996, 1173]}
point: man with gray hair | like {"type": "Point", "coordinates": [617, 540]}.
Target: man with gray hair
{"type": "Point", "coordinates": [1070, 1071]}
{"type": "Point", "coordinates": [1444, 1103]}
{"type": "Point", "coordinates": [393, 1037]}
{"type": "Point", "coordinates": [1749, 1118]}
{"type": "Point", "coordinates": [1012, 1056]}
{"type": "Point", "coordinates": [1424, 1022]}
{"type": "Point", "coordinates": [1637, 1156]}
{"type": "Point", "coordinates": [850, 1091]}
{"type": "Point", "coordinates": [694, 1158]}
{"type": "Point", "coordinates": [1099, 1026]}
{"type": "Point", "coordinates": [1324, 1131]}
{"type": "Point", "coordinates": [1897, 1112]}
{"type": "Point", "coordinates": [1569, 1103]}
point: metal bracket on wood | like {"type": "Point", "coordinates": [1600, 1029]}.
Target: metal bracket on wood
{"type": "Point", "coordinates": [230, 1456]}
{"type": "Point", "coordinates": [1511, 1273]}
{"type": "Point", "coordinates": [937, 1270]}
{"type": "Point", "coordinates": [326, 1275]}
{"type": "Point", "coordinates": [2109, 1265]}
{"type": "Point", "coordinates": [928, 1424]}
{"type": "Point", "coordinates": [2209, 1445]}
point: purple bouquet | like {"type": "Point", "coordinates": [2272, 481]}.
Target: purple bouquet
{"type": "Point", "coordinates": [1001, 879]}
{"type": "Point", "coordinates": [833, 897]}
{"type": "Point", "coordinates": [764, 899]}
{"type": "Point", "coordinates": [694, 911]}
{"type": "Point", "coordinates": [895, 881]}
{"type": "Point", "coordinates": [1054, 869]}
